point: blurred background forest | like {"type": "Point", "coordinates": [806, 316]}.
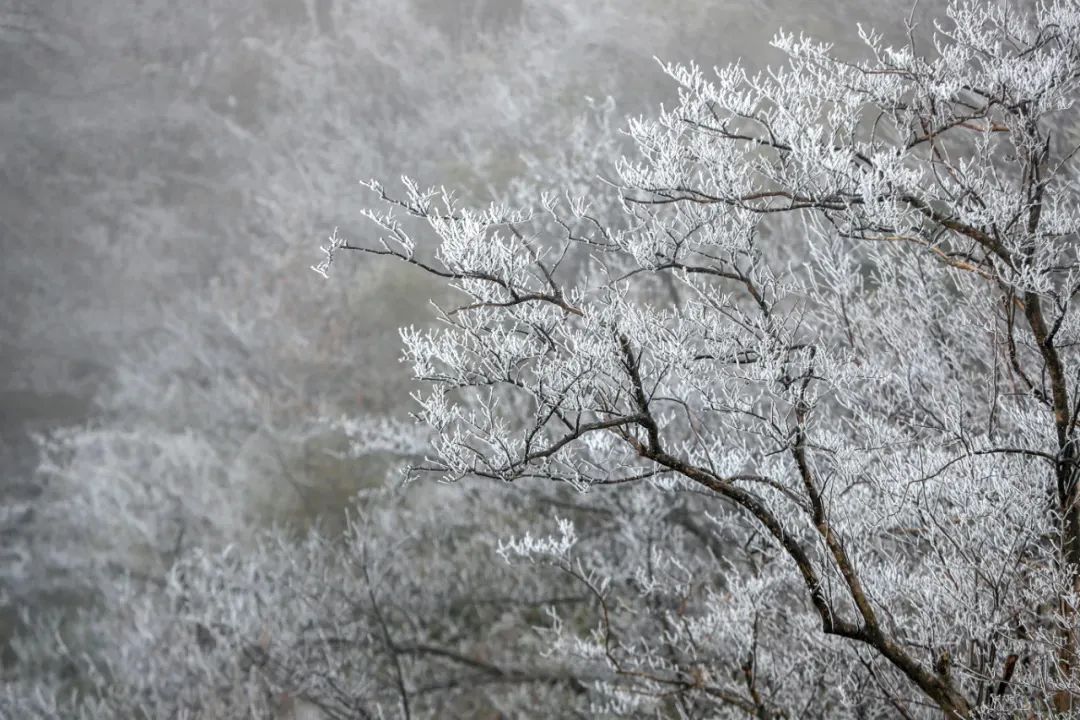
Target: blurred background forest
{"type": "Point", "coordinates": [167, 359]}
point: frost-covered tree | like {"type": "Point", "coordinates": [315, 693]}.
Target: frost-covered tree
{"type": "Point", "coordinates": [775, 418]}
{"type": "Point", "coordinates": [822, 357]}
{"type": "Point", "coordinates": [167, 139]}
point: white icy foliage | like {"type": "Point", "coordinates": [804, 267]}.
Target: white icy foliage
{"type": "Point", "coordinates": [822, 347]}
{"type": "Point", "coordinates": [318, 627]}
{"type": "Point", "coordinates": [528, 546]}
{"type": "Point", "coordinates": [378, 434]}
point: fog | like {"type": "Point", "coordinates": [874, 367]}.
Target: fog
{"type": "Point", "coordinates": [170, 169]}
